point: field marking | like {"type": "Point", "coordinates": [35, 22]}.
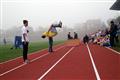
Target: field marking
{"type": "Point", "coordinates": [55, 64]}
{"type": "Point", "coordinates": [30, 61]}
{"type": "Point", "coordinates": [93, 63]}
{"type": "Point", "coordinates": [28, 54]}
{"type": "Point", "coordinates": [112, 50]}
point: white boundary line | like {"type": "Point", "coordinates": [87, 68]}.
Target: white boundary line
{"type": "Point", "coordinates": [93, 63]}
{"type": "Point", "coordinates": [28, 54]}
{"type": "Point", "coordinates": [55, 63]}
{"type": "Point", "coordinates": [30, 61]}
{"type": "Point", "coordinates": [112, 50]}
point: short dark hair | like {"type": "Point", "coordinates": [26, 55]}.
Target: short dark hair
{"type": "Point", "coordinates": [112, 22]}
{"type": "Point", "coordinates": [25, 21]}
{"type": "Point", "coordinates": [43, 36]}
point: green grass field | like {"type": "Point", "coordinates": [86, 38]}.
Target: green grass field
{"type": "Point", "coordinates": [6, 53]}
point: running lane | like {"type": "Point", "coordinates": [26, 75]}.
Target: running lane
{"type": "Point", "coordinates": [5, 66]}
{"type": "Point", "coordinates": [36, 68]}
{"type": "Point", "coordinates": [107, 62]}
{"type": "Point", "coordinates": [74, 66]}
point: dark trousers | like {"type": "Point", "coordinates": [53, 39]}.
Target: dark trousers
{"type": "Point", "coordinates": [50, 46]}
{"type": "Point", "coordinates": [116, 39]}
{"type": "Point", "coordinates": [112, 43]}
{"type": "Point", "coordinates": [25, 50]}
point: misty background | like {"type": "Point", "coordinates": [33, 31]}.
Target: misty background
{"type": "Point", "coordinates": [81, 16]}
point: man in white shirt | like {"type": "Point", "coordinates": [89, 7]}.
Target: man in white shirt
{"type": "Point", "coordinates": [25, 40]}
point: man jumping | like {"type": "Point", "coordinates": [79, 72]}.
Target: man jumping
{"type": "Point", "coordinates": [51, 33]}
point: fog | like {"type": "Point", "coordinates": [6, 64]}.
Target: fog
{"type": "Point", "coordinates": [76, 15]}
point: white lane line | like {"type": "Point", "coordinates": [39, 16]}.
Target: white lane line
{"type": "Point", "coordinates": [55, 64]}
{"type": "Point", "coordinates": [30, 61]}
{"type": "Point", "coordinates": [112, 50]}
{"type": "Point", "coordinates": [93, 63]}
{"type": "Point", "coordinates": [28, 54]}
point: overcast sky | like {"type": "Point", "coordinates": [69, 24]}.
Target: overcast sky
{"type": "Point", "coordinates": [44, 12]}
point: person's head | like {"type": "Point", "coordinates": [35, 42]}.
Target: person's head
{"type": "Point", "coordinates": [112, 22]}
{"type": "Point", "coordinates": [68, 32]}
{"type": "Point", "coordinates": [43, 36]}
{"type": "Point", "coordinates": [75, 33]}
{"type": "Point", "coordinates": [25, 22]}
{"type": "Point", "coordinates": [86, 35]}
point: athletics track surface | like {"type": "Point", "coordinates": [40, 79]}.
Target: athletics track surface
{"type": "Point", "coordinates": [80, 62]}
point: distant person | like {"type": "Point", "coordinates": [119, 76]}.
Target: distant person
{"type": "Point", "coordinates": [69, 36]}
{"type": "Point", "coordinates": [118, 33]}
{"type": "Point", "coordinates": [113, 32]}
{"type": "Point", "coordinates": [86, 39]}
{"type": "Point", "coordinates": [18, 42]}
{"type": "Point", "coordinates": [25, 40]}
{"type": "Point", "coordinates": [75, 35]}
{"type": "Point", "coordinates": [4, 41]}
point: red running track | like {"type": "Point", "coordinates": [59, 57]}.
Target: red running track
{"type": "Point", "coordinates": [76, 65]}
{"type": "Point", "coordinates": [5, 66]}
{"type": "Point", "coordinates": [67, 63]}
{"type": "Point", "coordinates": [107, 62]}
